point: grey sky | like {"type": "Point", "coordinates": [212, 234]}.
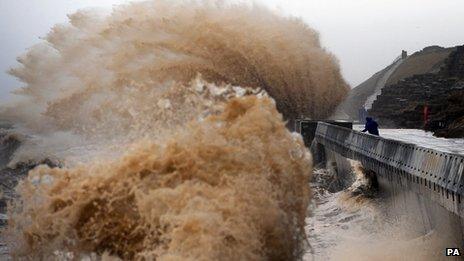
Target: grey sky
{"type": "Point", "coordinates": [366, 35]}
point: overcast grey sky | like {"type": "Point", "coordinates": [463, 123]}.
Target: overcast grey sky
{"type": "Point", "coordinates": [366, 35]}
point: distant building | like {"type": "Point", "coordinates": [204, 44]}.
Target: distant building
{"type": "Point", "coordinates": [404, 54]}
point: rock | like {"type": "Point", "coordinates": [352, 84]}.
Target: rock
{"type": "Point", "coordinates": [402, 105]}
{"type": "Point", "coordinates": [448, 121]}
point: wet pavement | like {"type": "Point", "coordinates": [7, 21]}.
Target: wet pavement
{"type": "Point", "coordinates": [422, 138]}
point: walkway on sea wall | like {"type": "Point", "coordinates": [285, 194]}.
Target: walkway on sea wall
{"type": "Point", "coordinates": [435, 174]}
{"type": "Point", "coordinates": [424, 139]}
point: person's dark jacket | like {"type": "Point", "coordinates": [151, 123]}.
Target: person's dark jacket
{"type": "Point", "coordinates": [371, 126]}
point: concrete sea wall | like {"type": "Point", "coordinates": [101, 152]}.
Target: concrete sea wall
{"type": "Point", "coordinates": [419, 184]}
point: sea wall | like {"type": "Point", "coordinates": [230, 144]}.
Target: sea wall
{"type": "Point", "coordinates": [423, 185]}
{"type": "Point", "coordinates": [404, 203]}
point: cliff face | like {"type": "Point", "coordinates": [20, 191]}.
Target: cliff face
{"type": "Point", "coordinates": [448, 121]}
{"type": "Point", "coordinates": [454, 64]}
{"type": "Point", "coordinates": [402, 105]}
{"type": "Point", "coordinates": [357, 97]}
{"type": "Point", "coordinates": [434, 101]}
{"type": "Point", "coordinates": [428, 60]}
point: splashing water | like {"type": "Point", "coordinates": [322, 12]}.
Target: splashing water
{"type": "Point", "coordinates": [358, 224]}
{"type": "Point", "coordinates": [164, 153]}
{"type": "Point", "coordinates": [232, 186]}
{"type": "Point", "coordinates": [107, 74]}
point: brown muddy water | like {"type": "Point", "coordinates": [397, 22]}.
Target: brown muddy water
{"type": "Point", "coordinates": [162, 129]}
{"type": "Point", "coordinates": [357, 224]}
{"type": "Point", "coordinates": [166, 122]}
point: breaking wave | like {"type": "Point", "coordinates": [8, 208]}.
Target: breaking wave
{"type": "Point", "coordinates": [170, 145]}
{"type": "Point", "coordinates": [231, 187]}
{"type": "Point", "coordinates": [103, 74]}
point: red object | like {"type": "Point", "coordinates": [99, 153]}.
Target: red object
{"type": "Point", "coordinates": [426, 114]}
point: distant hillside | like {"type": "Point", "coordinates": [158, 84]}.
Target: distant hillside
{"type": "Point", "coordinates": [428, 60]}
{"type": "Point", "coordinates": [433, 100]}
{"type": "Point", "coordinates": [357, 97]}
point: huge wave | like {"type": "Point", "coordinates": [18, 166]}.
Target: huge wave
{"type": "Point", "coordinates": [105, 72]}
{"type": "Point", "coordinates": [231, 187]}
{"type": "Point", "coordinates": [166, 120]}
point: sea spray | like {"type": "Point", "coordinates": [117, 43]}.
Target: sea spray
{"type": "Point", "coordinates": [231, 187]}
{"type": "Point", "coordinates": [104, 75]}
{"type": "Point", "coordinates": [164, 151]}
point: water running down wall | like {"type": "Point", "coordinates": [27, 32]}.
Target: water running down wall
{"type": "Point", "coordinates": [424, 184]}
